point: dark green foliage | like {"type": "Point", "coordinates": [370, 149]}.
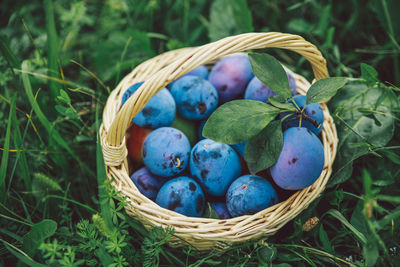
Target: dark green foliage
{"type": "Point", "coordinates": [229, 18]}
{"type": "Point", "coordinates": [263, 150]}
{"type": "Point", "coordinates": [270, 72]}
{"type": "Point", "coordinates": [238, 120]}
{"type": "Point", "coordinates": [61, 59]}
{"type": "Point", "coordinates": [322, 90]}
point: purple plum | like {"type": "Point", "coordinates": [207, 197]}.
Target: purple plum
{"type": "Point", "coordinates": [221, 209]}
{"type": "Point", "coordinates": [301, 160]}
{"type": "Point", "coordinates": [147, 183]}
{"type": "Point", "coordinates": [200, 71]}
{"type": "Point", "coordinates": [230, 77]}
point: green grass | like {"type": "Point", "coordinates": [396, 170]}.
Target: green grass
{"type": "Point", "coordinates": [59, 61]}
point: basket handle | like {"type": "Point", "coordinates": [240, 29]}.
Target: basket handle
{"type": "Point", "coordinates": [197, 56]}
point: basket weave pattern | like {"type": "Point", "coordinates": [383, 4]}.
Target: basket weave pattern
{"type": "Point", "coordinates": [204, 233]}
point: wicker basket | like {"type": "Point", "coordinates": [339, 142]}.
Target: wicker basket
{"type": "Point", "coordinates": [205, 233]}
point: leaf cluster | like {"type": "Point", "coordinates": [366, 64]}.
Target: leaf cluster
{"type": "Point", "coordinates": [241, 120]}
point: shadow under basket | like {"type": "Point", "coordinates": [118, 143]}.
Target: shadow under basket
{"type": "Point", "coordinates": [158, 72]}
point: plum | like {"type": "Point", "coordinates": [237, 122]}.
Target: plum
{"type": "Point", "coordinates": [183, 195]}
{"type": "Point", "coordinates": [292, 83]}
{"type": "Point", "coordinates": [195, 97]}
{"type": "Point", "coordinates": [221, 209]}
{"type": "Point", "coordinates": [200, 71]}
{"type": "Point", "coordinates": [240, 148]}
{"type": "Point", "coordinates": [147, 183]}
{"type": "Point", "coordinates": [314, 111]}
{"type": "Point", "coordinates": [230, 77]}
{"type": "Point", "coordinates": [131, 89]}
{"type": "Point", "coordinates": [166, 151]}
{"type": "Point", "coordinates": [159, 111]}
{"type": "Point", "coordinates": [257, 90]}
{"type": "Point", "coordinates": [134, 143]}
{"type": "Point", "coordinates": [250, 194]}
{"type": "Point", "coordinates": [201, 127]}
{"type": "Point", "coordinates": [214, 165]}
{"type": "Point", "coordinates": [301, 160]}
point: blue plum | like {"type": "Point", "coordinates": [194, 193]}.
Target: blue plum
{"type": "Point", "coordinates": [147, 183]}
{"type": "Point", "coordinates": [256, 90]}
{"type": "Point", "coordinates": [301, 160]}
{"type": "Point", "coordinates": [183, 195]}
{"type": "Point", "coordinates": [314, 111]}
{"type": "Point", "coordinates": [195, 97]}
{"type": "Point", "coordinates": [250, 194]}
{"type": "Point", "coordinates": [215, 165]}
{"type": "Point", "coordinates": [131, 89]}
{"type": "Point", "coordinates": [200, 71]}
{"type": "Point", "coordinates": [201, 127]}
{"type": "Point", "coordinates": [166, 151]}
{"type": "Point", "coordinates": [240, 148]}
{"type": "Point", "coordinates": [159, 111]}
{"type": "Point", "coordinates": [292, 83]}
{"type": "Point", "coordinates": [221, 209]}
{"type": "Point", "coordinates": [230, 76]}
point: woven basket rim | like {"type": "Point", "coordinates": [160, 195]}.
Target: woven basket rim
{"type": "Point", "coordinates": [204, 233]}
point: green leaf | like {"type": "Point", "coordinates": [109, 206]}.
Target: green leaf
{"type": "Point", "coordinates": [266, 255]}
{"type": "Point", "coordinates": [6, 151]}
{"type": "Point", "coordinates": [263, 150]}
{"type": "Point", "coordinates": [324, 89]}
{"type": "Point", "coordinates": [370, 252]}
{"type": "Point", "coordinates": [395, 158]}
{"type": "Point", "coordinates": [358, 219]}
{"type": "Point", "coordinates": [323, 236]}
{"type": "Point", "coordinates": [369, 74]}
{"type": "Point", "coordinates": [22, 256]}
{"type": "Point", "coordinates": [210, 212]}
{"type": "Point", "coordinates": [105, 258]}
{"type": "Point", "coordinates": [64, 97]}
{"type": "Point", "coordinates": [271, 73]}
{"type": "Point", "coordinates": [238, 120]}
{"type": "Point", "coordinates": [355, 127]}
{"type": "Point", "coordinates": [280, 102]}
{"type": "Point", "coordinates": [229, 18]}
{"type": "Point", "coordinates": [342, 219]}
{"type": "Point", "coordinates": [36, 236]}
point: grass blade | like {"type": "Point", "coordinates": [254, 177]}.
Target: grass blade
{"type": "Point", "coordinates": [53, 133]}
{"type": "Point", "coordinates": [342, 219]}
{"type": "Point", "coordinates": [4, 156]}
{"type": "Point", "coordinates": [52, 47]}
{"type": "Point", "coordinates": [105, 208]}
{"type": "Point", "coordinates": [22, 256]}
{"type": "Point", "coordinates": [8, 54]}
{"type": "Point", "coordinates": [21, 156]}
